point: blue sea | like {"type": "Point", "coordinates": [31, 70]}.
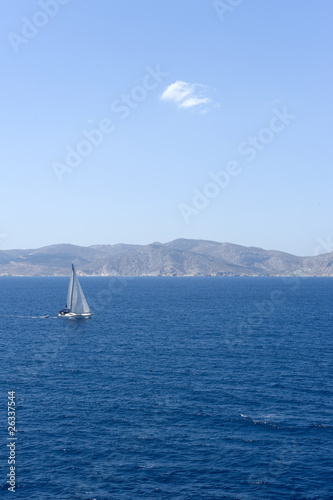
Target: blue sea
{"type": "Point", "coordinates": [177, 388]}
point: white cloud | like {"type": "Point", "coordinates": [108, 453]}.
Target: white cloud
{"type": "Point", "coordinates": [194, 101]}
{"type": "Point", "coordinates": [188, 95]}
{"type": "Point", "coordinates": [177, 91]}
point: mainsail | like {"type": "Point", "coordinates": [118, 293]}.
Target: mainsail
{"type": "Point", "coordinates": [76, 301]}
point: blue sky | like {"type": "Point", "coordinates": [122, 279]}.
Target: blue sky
{"type": "Point", "coordinates": [156, 100]}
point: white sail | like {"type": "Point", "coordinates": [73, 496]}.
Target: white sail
{"type": "Point", "coordinates": [76, 301]}
{"type": "Point", "coordinates": [70, 288]}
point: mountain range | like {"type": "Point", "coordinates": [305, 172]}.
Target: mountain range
{"type": "Point", "coordinates": [181, 257]}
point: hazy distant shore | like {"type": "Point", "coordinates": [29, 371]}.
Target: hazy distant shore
{"type": "Point", "coordinates": [179, 258]}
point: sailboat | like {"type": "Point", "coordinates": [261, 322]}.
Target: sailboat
{"type": "Point", "coordinates": [77, 306]}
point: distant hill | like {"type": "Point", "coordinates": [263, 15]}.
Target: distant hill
{"type": "Point", "coordinates": [181, 257]}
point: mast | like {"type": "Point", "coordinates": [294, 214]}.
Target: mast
{"type": "Point", "coordinates": [73, 272]}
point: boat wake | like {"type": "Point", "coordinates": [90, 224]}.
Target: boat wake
{"type": "Point", "coordinates": [24, 317]}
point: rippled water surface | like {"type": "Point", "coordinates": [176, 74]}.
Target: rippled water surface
{"type": "Point", "coordinates": [178, 388]}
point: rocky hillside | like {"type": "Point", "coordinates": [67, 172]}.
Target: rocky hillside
{"type": "Point", "coordinates": [178, 258]}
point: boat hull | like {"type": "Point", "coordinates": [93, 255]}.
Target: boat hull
{"type": "Point", "coordinates": [75, 316]}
